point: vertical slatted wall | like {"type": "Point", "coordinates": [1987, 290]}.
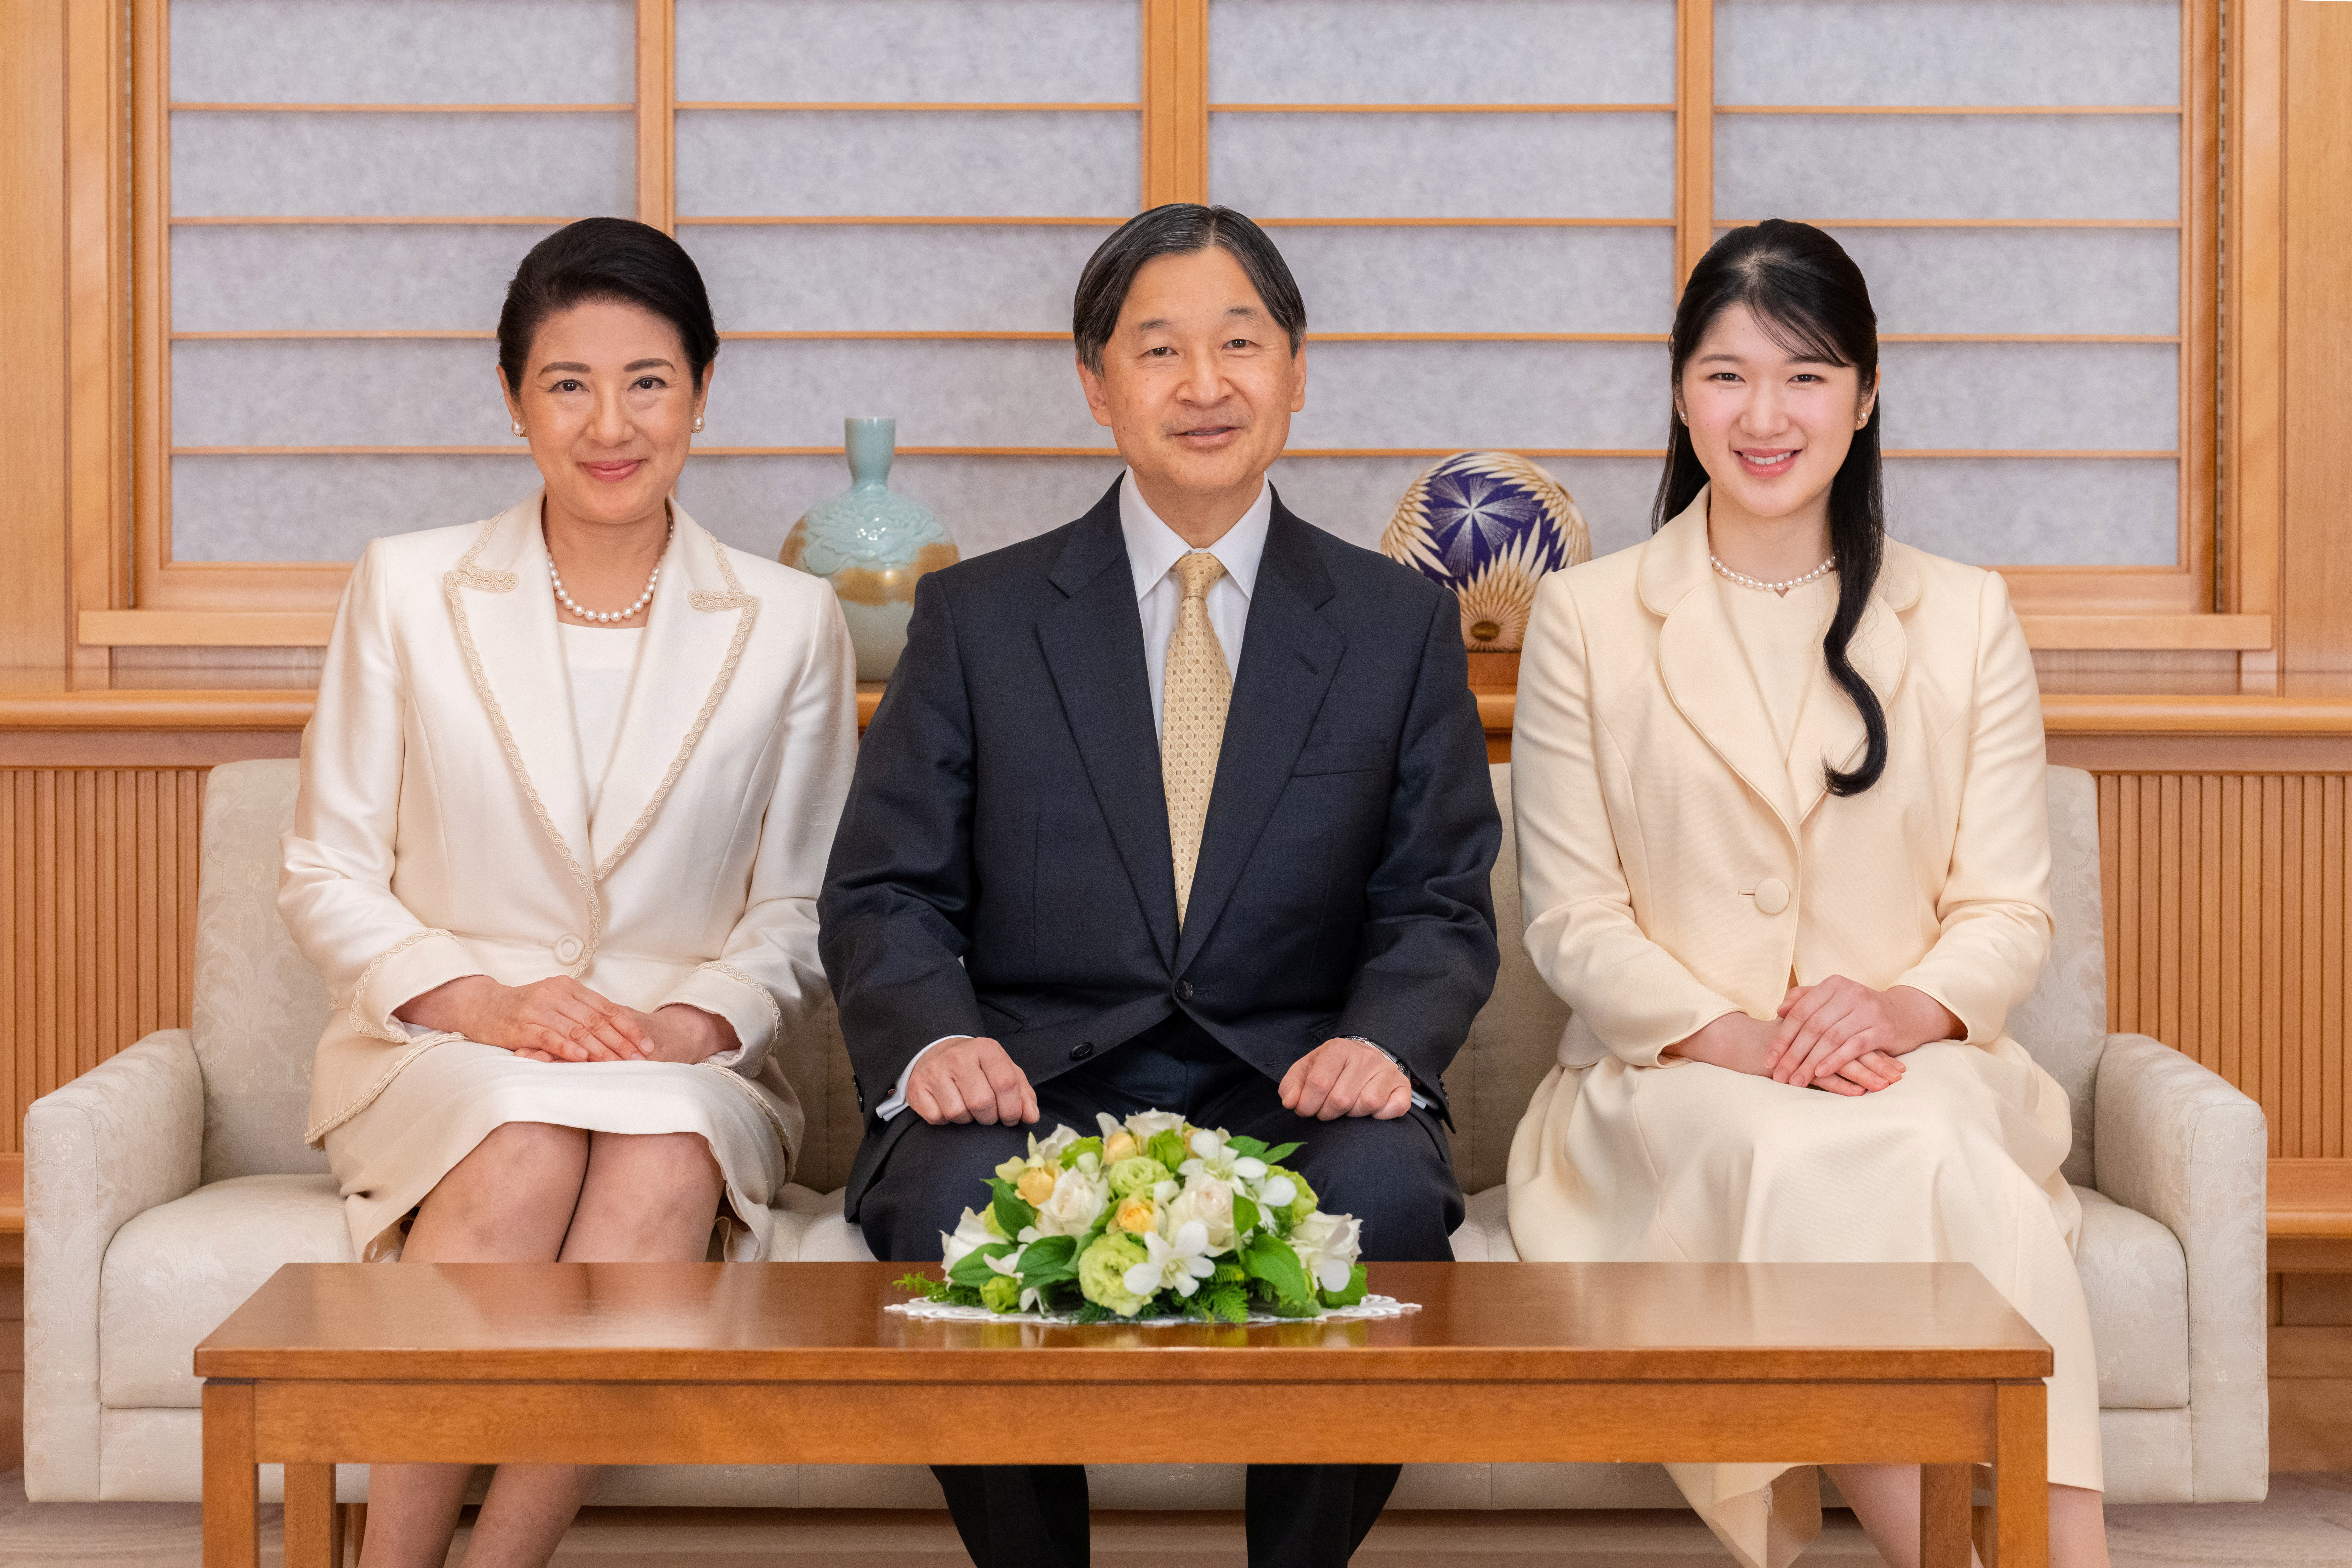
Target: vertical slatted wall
{"type": "Point", "coordinates": [2225, 925]}
{"type": "Point", "coordinates": [98, 919]}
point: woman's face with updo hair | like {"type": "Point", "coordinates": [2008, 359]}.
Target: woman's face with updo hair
{"type": "Point", "coordinates": [609, 406]}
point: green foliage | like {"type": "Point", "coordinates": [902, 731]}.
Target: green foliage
{"type": "Point", "coordinates": [1246, 1213]}
{"type": "Point", "coordinates": [1348, 1297]}
{"type": "Point", "coordinates": [921, 1285]}
{"type": "Point", "coordinates": [1000, 1293]}
{"type": "Point", "coordinates": [1227, 1301]}
{"type": "Point", "coordinates": [1013, 1214]}
{"type": "Point", "coordinates": [1049, 1260]}
{"type": "Point", "coordinates": [1090, 1313]}
{"type": "Point", "coordinates": [972, 1269]}
{"type": "Point", "coordinates": [1269, 1258]}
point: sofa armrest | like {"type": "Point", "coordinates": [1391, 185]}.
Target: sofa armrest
{"type": "Point", "coordinates": [2180, 1145]}
{"type": "Point", "coordinates": [111, 1144]}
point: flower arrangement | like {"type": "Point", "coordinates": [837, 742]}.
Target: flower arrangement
{"type": "Point", "coordinates": [1152, 1218]}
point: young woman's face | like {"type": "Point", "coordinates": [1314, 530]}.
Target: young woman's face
{"type": "Point", "coordinates": [1770, 426]}
{"type": "Point", "coordinates": [608, 404]}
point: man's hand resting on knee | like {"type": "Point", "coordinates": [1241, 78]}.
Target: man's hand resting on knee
{"type": "Point", "coordinates": [1346, 1078]}
{"type": "Point", "coordinates": [970, 1079]}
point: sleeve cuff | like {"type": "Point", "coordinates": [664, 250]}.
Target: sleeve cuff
{"type": "Point", "coordinates": [728, 993]}
{"type": "Point", "coordinates": [897, 1100]}
{"type": "Point", "coordinates": [1420, 1099]}
{"type": "Point", "coordinates": [421, 962]}
{"type": "Point", "coordinates": [1931, 984]}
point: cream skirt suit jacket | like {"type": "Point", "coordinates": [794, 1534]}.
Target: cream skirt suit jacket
{"type": "Point", "coordinates": [1677, 863]}
{"type": "Point", "coordinates": [444, 829]}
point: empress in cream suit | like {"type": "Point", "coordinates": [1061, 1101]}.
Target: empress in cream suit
{"type": "Point", "coordinates": [444, 829]}
{"type": "Point", "coordinates": [1677, 864]}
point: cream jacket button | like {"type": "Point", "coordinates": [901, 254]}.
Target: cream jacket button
{"type": "Point", "coordinates": [568, 949]}
{"type": "Point", "coordinates": [1772, 896]}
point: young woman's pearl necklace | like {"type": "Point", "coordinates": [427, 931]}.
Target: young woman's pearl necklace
{"type": "Point", "coordinates": [1747, 582]}
{"type": "Point", "coordinates": [644, 599]}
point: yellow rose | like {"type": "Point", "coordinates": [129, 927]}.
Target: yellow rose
{"type": "Point", "coordinates": [1138, 1215]}
{"type": "Point", "coordinates": [1120, 1145]}
{"type": "Point", "coordinates": [1035, 1186]}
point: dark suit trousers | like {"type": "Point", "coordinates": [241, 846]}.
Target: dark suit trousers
{"type": "Point", "coordinates": [1397, 1177]}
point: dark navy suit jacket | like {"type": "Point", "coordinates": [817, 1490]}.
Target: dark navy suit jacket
{"type": "Point", "coordinates": [1002, 867]}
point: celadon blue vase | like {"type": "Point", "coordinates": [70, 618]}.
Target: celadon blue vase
{"type": "Point", "coordinates": [871, 544]}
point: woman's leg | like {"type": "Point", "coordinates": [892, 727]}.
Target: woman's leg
{"type": "Point", "coordinates": [1885, 1498]}
{"type": "Point", "coordinates": [645, 1198]}
{"type": "Point", "coordinates": [509, 1201]}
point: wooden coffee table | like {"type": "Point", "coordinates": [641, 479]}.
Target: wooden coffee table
{"type": "Point", "coordinates": [798, 1364]}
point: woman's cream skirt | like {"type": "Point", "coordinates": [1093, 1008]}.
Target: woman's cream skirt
{"type": "Point", "coordinates": [441, 1106]}
{"type": "Point", "coordinates": [1958, 1162]}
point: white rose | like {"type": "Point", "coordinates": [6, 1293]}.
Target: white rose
{"type": "Point", "coordinates": [1049, 1149]}
{"type": "Point", "coordinates": [1328, 1244]}
{"type": "Point", "coordinates": [1144, 1123]}
{"type": "Point", "coordinates": [1210, 1204]}
{"type": "Point", "coordinates": [970, 1235]}
{"type": "Point", "coordinates": [1079, 1198]}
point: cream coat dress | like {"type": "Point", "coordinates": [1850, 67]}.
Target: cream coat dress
{"type": "Point", "coordinates": [1680, 859]}
{"type": "Point", "coordinates": [444, 829]}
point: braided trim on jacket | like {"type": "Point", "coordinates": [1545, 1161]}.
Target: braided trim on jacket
{"type": "Point", "coordinates": [367, 978]}
{"type": "Point", "coordinates": [465, 574]}
{"type": "Point", "coordinates": [759, 1098]}
{"type": "Point", "coordinates": [317, 1136]}
{"type": "Point", "coordinates": [775, 1013]}
{"type": "Point", "coordinates": [702, 599]}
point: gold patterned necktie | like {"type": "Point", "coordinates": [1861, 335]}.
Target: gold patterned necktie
{"type": "Point", "coordinates": [1193, 696]}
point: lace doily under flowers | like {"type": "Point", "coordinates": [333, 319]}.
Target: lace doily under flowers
{"type": "Point", "coordinates": [948, 1311]}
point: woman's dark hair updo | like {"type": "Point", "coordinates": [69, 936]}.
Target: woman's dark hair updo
{"type": "Point", "coordinates": [1804, 290]}
{"type": "Point", "coordinates": [613, 259]}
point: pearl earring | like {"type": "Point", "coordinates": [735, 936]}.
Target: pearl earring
{"type": "Point", "coordinates": [518, 427]}
{"type": "Point", "coordinates": [697, 422]}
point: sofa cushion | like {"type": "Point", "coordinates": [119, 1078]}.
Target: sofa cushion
{"type": "Point", "coordinates": [2136, 1280]}
{"type": "Point", "coordinates": [174, 1272]}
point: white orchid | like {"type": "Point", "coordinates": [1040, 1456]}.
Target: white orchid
{"type": "Point", "coordinates": [1277, 1192]}
{"type": "Point", "coordinates": [1009, 1265]}
{"type": "Point", "coordinates": [972, 1234]}
{"type": "Point", "coordinates": [1078, 1199]}
{"type": "Point", "coordinates": [1328, 1244]}
{"type": "Point", "coordinates": [1208, 1200]}
{"type": "Point", "coordinates": [1049, 1151]}
{"type": "Point", "coordinates": [1213, 1156]}
{"type": "Point", "coordinates": [1181, 1261]}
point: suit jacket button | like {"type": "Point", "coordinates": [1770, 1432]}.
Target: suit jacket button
{"type": "Point", "coordinates": [1183, 991]}
{"type": "Point", "coordinates": [1771, 896]}
{"type": "Point", "coordinates": [1082, 1051]}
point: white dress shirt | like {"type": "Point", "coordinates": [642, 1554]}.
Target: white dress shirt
{"type": "Point", "coordinates": [1153, 550]}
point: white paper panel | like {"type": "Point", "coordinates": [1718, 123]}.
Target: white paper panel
{"type": "Point", "coordinates": [282, 278]}
{"type": "Point", "coordinates": [2037, 511]}
{"type": "Point", "coordinates": [1355, 497]}
{"type": "Point", "coordinates": [907, 51]}
{"type": "Point", "coordinates": [364, 166]}
{"type": "Point", "coordinates": [943, 394]}
{"type": "Point", "coordinates": [892, 277]}
{"type": "Point", "coordinates": [754, 164]}
{"type": "Point", "coordinates": [1484, 279]}
{"type": "Point", "coordinates": [2118, 280]}
{"type": "Point", "coordinates": [2038, 396]}
{"type": "Point", "coordinates": [1950, 166]}
{"type": "Point", "coordinates": [327, 508]}
{"type": "Point", "coordinates": [1444, 165]}
{"type": "Point", "coordinates": [1947, 51]}
{"type": "Point", "coordinates": [404, 51]}
{"type": "Point", "coordinates": [397, 392]}
{"type": "Point", "coordinates": [1442, 51]}
{"type": "Point", "coordinates": [985, 504]}
{"type": "Point", "coordinates": [1455, 395]}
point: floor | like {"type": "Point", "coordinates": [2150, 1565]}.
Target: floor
{"type": "Point", "coordinates": [2306, 1521]}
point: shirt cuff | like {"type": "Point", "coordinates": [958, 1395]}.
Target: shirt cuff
{"type": "Point", "coordinates": [897, 1100]}
{"type": "Point", "coordinates": [1419, 1100]}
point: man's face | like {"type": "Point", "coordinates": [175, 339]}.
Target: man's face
{"type": "Point", "coordinates": [1198, 383]}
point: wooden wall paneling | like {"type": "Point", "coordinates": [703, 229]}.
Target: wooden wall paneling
{"type": "Point", "coordinates": [1693, 136]}
{"type": "Point", "coordinates": [1175, 102]}
{"type": "Point", "coordinates": [97, 306]}
{"type": "Point", "coordinates": [33, 407]}
{"type": "Point", "coordinates": [2253, 346]}
{"type": "Point", "coordinates": [657, 122]}
{"type": "Point", "coordinates": [2317, 320]}
{"type": "Point", "coordinates": [2199, 323]}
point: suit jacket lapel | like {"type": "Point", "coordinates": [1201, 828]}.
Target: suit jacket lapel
{"type": "Point", "coordinates": [1700, 660]}
{"type": "Point", "coordinates": [699, 620]}
{"type": "Point", "coordinates": [1289, 653]}
{"type": "Point", "coordinates": [506, 627]}
{"type": "Point", "coordinates": [1093, 643]}
{"type": "Point", "coordinates": [1829, 731]}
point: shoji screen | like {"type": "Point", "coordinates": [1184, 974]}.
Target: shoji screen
{"type": "Point", "coordinates": [2009, 176]}
{"type": "Point", "coordinates": [890, 201]}
{"type": "Point", "coordinates": [1479, 200]}
{"type": "Point", "coordinates": [350, 185]}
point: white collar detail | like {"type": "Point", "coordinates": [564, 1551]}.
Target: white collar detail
{"type": "Point", "coordinates": [1153, 548]}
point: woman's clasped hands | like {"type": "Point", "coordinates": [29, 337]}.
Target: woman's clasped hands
{"type": "Point", "coordinates": [1836, 1034]}
{"type": "Point", "coordinates": [558, 1019]}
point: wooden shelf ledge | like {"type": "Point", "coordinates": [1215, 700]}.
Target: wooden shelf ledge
{"type": "Point", "coordinates": [2310, 1216]}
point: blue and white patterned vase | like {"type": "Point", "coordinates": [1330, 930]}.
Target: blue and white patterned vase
{"type": "Point", "coordinates": [1488, 525]}
{"type": "Point", "coordinates": [871, 544]}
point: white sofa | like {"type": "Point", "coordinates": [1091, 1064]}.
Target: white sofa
{"type": "Point", "coordinates": [165, 1186]}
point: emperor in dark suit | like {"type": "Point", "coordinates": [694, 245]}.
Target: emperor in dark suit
{"type": "Point", "coordinates": [1059, 890]}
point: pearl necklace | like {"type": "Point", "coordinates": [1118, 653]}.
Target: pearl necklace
{"type": "Point", "coordinates": [569, 603]}
{"type": "Point", "coordinates": [1747, 582]}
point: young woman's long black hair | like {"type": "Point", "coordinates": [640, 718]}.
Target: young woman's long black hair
{"type": "Point", "coordinates": [1805, 291]}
